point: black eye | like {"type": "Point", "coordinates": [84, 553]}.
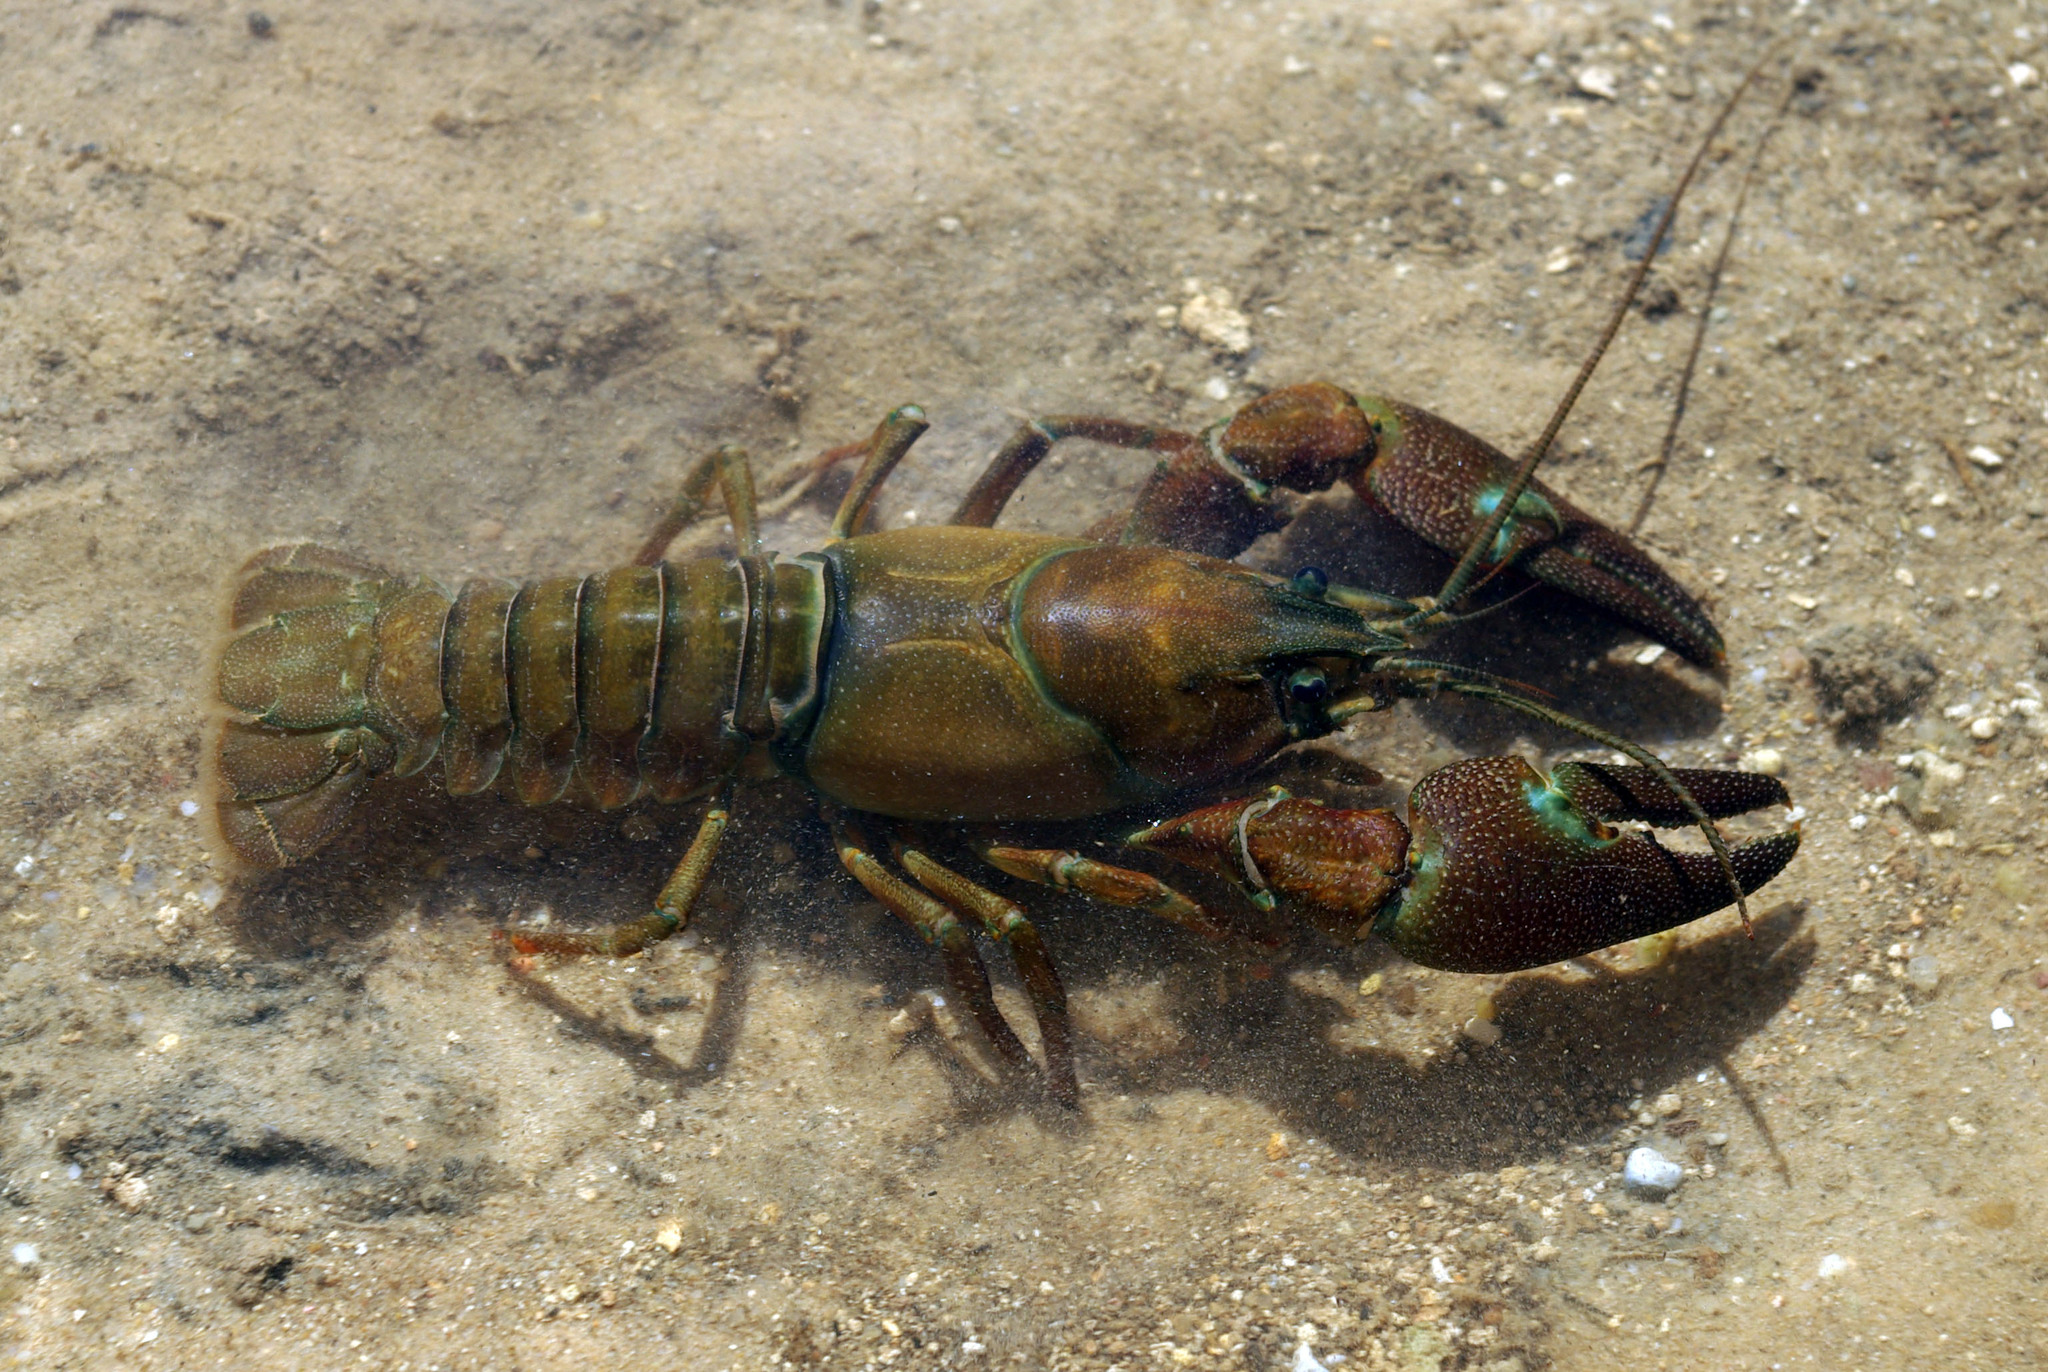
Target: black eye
{"type": "Point", "coordinates": [1308, 687]}
{"type": "Point", "coordinates": [1312, 581]}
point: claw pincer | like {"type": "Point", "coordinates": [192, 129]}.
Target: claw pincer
{"type": "Point", "coordinates": [1432, 477]}
{"type": "Point", "coordinates": [1505, 868]}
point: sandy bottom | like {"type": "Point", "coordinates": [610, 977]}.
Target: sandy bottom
{"type": "Point", "coordinates": [459, 287]}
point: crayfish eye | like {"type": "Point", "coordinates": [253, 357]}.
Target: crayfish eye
{"type": "Point", "coordinates": [1312, 582]}
{"type": "Point", "coordinates": [1308, 687]}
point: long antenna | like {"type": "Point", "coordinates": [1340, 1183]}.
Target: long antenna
{"type": "Point", "coordinates": [1476, 551]}
{"type": "Point", "coordinates": [1662, 462]}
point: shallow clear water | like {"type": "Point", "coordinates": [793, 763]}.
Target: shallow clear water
{"type": "Point", "coordinates": [462, 292]}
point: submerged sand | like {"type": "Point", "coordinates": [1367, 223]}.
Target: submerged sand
{"type": "Point", "coordinates": [460, 288]}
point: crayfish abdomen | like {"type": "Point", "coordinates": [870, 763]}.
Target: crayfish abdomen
{"type": "Point", "coordinates": [643, 680]}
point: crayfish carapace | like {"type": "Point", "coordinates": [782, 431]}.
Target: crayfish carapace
{"type": "Point", "coordinates": [965, 674]}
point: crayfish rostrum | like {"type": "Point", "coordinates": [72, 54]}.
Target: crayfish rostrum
{"type": "Point", "coordinates": [969, 675]}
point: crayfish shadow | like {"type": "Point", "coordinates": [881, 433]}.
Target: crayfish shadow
{"type": "Point", "coordinates": [419, 855]}
{"type": "Point", "coordinates": [1569, 1052]}
{"type": "Point", "coordinates": [1564, 651]}
{"type": "Point", "coordinates": [347, 895]}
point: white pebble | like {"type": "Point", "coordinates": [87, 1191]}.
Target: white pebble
{"type": "Point", "coordinates": [1305, 1360]}
{"type": "Point", "coordinates": [2000, 1019]}
{"type": "Point", "coordinates": [1769, 761]}
{"type": "Point", "coordinates": [1987, 458]}
{"type": "Point", "coordinates": [1483, 1032]}
{"type": "Point", "coordinates": [25, 1255]}
{"type": "Point", "coordinates": [1984, 727]}
{"type": "Point", "coordinates": [1598, 82]}
{"type": "Point", "coordinates": [1923, 973]}
{"type": "Point", "coordinates": [1650, 1174]}
{"type": "Point", "coordinates": [188, 808]}
{"type": "Point", "coordinates": [1832, 1265]}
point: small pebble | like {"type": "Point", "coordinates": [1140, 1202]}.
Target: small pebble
{"type": "Point", "coordinates": [1984, 728]}
{"type": "Point", "coordinates": [1990, 459]}
{"type": "Point", "coordinates": [1668, 1104]}
{"type": "Point", "coordinates": [1923, 973]}
{"type": "Point", "coordinates": [25, 1255]}
{"type": "Point", "coordinates": [1597, 82]}
{"type": "Point", "coordinates": [1305, 1360]}
{"type": "Point", "coordinates": [1651, 1175]}
{"type": "Point", "coordinates": [2000, 1019]}
{"type": "Point", "coordinates": [1832, 1265]}
{"type": "Point", "coordinates": [1768, 761]}
{"type": "Point", "coordinates": [131, 1192]}
{"type": "Point", "coordinates": [1716, 1139]}
{"type": "Point", "coordinates": [1483, 1032]}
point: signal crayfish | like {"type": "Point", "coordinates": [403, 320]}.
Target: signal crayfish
{"type": "Point", "coordinates": [966, 675]}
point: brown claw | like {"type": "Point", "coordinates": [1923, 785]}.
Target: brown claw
{"type": "Point", "coordinates": [1431, 476]}
{"type": "Point", "coordinates": [1443, 483]}
{"type": "Point", "coordinates": [1506, 869]}
{"type": "Point", "coordinates": [1511, 869]}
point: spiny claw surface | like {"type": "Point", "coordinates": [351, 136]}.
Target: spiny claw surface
{"type": "Point", "coordinates": [1510, 869]}
{"type": "Point", "coordinates": [1443, 483]}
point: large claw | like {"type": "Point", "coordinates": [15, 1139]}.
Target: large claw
{"type": "Point", "coordinates": [1443, 483]}
{"type": "Point", "coordinates": [1509, 869]}
{"type": "Point", "coordinates": [1506, 868]}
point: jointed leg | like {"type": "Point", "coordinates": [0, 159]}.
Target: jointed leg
{"type": "Point", "coordinates": [1117, 885]}
{"type": "Point", "coordinates": [885, 448]}
{"type": "Point", "coordinates": [671, 906]}
{"type": "Point", "coordinates": [735, 475]}
{"type": "Point", "coordinates": [1034, 439]}
{"type": "Point", "coordinates": [936, 924]}
{"type": "Point", "coordinates": [1006, 924]}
